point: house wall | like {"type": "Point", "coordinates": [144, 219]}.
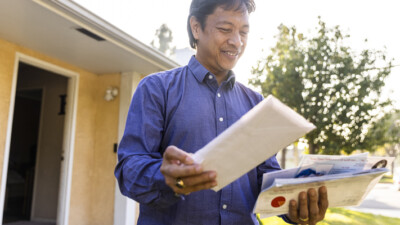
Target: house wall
{"type": "Point", "coordinates": [104, 156]}
{"type": "Point", "coordinates": [92, 188]}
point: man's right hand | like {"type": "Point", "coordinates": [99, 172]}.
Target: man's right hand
{"type": "Point", "coordinates": [178, 164]}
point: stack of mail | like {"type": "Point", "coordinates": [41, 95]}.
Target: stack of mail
{"type": "Point", "coordinates": [348, 180]}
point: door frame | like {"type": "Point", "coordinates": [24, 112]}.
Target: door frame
{"type": "Point", "coordinates": [69, 133]}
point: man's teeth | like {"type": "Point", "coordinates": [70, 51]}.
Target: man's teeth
{"type": "Point", "coordinates": [231, 53]}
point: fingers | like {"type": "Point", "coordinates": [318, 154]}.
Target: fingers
{"type": "Point", "coordinates": [203, 181]}
{"type": "Point", "coordinates": [193, 180]}
{"type": "Point", "coordinates": [203, 186]}
{"type": "Point", "coordinates": [298, 213]}
{"type": "Point", "coordinates": [310, 208]}
{"type": "Point", "coordinates": [174, 170]}
{"type": "Point", "coordinates": [173, 153]}
{"type": "Point", "coordinates": [303, 206]}
{"type": "Point", "coordinates": [202, 178]}
{"type": "Point", "coordinates": [179, 164]}
{"type": "Point", "coordinates": [313, 208]}
{"type": "Point", "coordinates": [293, 212]}
{"type": "Point", "coordinates": [323, 202]}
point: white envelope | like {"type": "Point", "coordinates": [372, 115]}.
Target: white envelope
{"type": "Point", "coordinates": [255, 137]}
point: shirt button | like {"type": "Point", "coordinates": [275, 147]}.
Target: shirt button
{"type": "Point", "coordinates": [219, 95]}
{"type": "Point", "coordinates": [221, 119]}
{"type": "Point", "coordinates": [224, 206]}
{"type": "Point", "coordinates": [210, 77]}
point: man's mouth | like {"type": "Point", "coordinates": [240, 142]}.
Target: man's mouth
{"type": "Point", "coordinates": [231, 53]}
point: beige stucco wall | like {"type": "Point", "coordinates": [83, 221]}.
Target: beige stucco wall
{"type": "Point", "coordinates": [7, 54]}
{"type": "Point", "coordinates": [92, 189]}
{"type": "Point", "coordinates": [104, 156]}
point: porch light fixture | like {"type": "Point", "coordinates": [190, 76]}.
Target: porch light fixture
{"type": "Point", "coordinates": [111, 93]}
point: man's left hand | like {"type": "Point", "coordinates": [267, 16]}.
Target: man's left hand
{"type": "Point", "coordinates": [311, 208]}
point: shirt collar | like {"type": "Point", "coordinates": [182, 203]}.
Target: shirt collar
{"type": "Point", "coordinates": [200, 72]}
{"type": "Point", "coordinates": [231, 78]}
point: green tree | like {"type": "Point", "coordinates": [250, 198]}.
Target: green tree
{"type": "Point", "coordinates": [386, 130]}
{"type": "Point", "coordinates": [325, 81]}
{"type": "Point", "coordinates": [163, 39]}
{"type": "Point", "coordinates": [385, 133]}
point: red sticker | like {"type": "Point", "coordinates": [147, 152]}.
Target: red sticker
{"type": "Point", "coordinates": [278, 201]}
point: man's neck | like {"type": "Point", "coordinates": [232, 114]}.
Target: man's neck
{"type": "Point", "coordinates": [220, 75]}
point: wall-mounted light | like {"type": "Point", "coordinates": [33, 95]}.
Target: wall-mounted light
{"type": "Point", "coordinates": [111, 93]}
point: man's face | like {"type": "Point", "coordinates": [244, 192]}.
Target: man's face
{"type": "Point", "coordinates": [222, 41]}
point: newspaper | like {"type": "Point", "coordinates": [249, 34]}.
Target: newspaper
{"type": "Point", "coordinates": [348, 180]}
{"type": "Point", "coordinates": [341, 164]}
{"type": "Point", "coordinates": [255, 137]}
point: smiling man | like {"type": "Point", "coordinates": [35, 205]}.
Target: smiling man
{"type": "Point", "coordinates": [175, 113]}
{"type": "Point", "coordinates": [221, 38]}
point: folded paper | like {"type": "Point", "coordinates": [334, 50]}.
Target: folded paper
{"type": "Point", "coordinates": [255, 137]}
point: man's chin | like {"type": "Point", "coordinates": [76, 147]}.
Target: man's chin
{"type": "Point", "coordinates": [230, 66]}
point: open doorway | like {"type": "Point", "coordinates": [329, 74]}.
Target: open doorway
{"type": "Point", "coordinates": [36, 156]}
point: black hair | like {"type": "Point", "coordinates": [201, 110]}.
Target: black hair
{"type": "Point", "coordinates": [200, 9]}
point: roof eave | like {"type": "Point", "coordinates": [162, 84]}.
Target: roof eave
{"type": "Point", "coordinates": [88, 20]}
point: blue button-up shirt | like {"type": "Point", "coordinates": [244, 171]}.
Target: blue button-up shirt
{"type": "Point", "coordinates": [187, 108]}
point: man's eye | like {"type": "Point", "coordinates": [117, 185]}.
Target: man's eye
{"type": "Point", "coordinates": [225, 30]}
{"type": "Point", "coordinates": [243, 33]}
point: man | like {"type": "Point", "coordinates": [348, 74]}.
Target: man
{"type": "Point", "coordinates": [174, 113]}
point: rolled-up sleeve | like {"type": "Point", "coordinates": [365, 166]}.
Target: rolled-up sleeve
{"type": "Point", "coordinates": [139, 153]}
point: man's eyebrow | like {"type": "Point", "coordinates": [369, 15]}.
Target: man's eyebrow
{"type": "Point", "coordinates": [230, 23]}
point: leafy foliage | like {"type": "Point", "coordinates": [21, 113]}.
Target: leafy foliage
{"type": "Point", "coordinates": [385, 133]}
{"type": "Point", "coordinates": [164, 38]}
{"type": "Point", "coordinates": [325, 81]}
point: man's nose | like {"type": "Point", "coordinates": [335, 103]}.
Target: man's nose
{"type": "Point", "coordinates": [236, 40]}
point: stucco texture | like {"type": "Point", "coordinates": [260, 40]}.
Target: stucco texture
{"type": "Point", "coordinates": [7, 55]}
{"type": "Point", "coordinates": [93, 183]}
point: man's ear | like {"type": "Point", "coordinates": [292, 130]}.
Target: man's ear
{"type": "Point", "coordinates": [195, 25]}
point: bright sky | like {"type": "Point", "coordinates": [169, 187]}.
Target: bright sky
{"type": "Point", "coordinates": [377, 21]}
